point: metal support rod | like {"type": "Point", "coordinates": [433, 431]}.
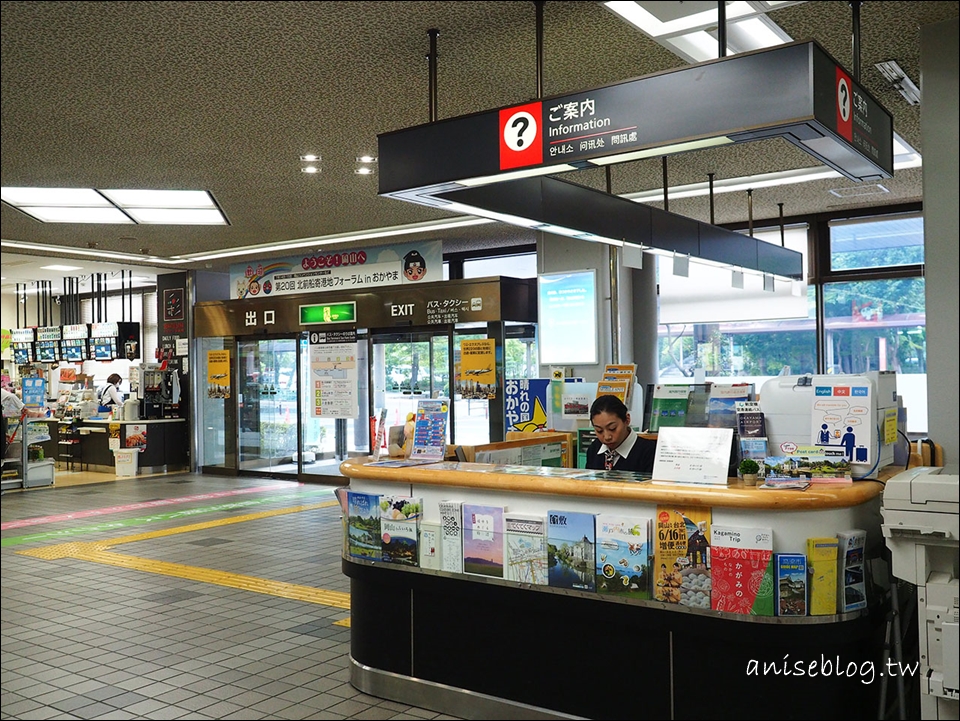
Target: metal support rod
{"type": "Point", "coordinates": [722, 28]}
{"type": "Point", "coordinates": [783, 239]}
{"type": "Point", "coordinates": [712, 216]}
{"type": "Point", "coordinates": [614, 259]}
{"type": "Point", "coordinates": [750, 210]}
{"type": "Point", "coordinates": [666, 198]}
{"type": "Point", "coordinates": [855, 5]}
{"type": "Point", "coordinates": [432, 58]}
{"type": "Point", "coordinates": [38, 301]}
{"type": "Point", "coordinates": [539, 5]}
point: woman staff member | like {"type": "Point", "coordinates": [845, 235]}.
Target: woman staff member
{"type": "Point", "coordinates": [617, 447]}
{"type": "Point", "coordinates": [109, 395]}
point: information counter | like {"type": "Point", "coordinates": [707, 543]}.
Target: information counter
{"type": "Point", "coordinates": [480, 647]}
{"type": "Point", "coordinates": [85, 444]}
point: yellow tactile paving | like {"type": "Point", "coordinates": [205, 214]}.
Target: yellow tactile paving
{"type": "Point", "coordinates": [98, 552]}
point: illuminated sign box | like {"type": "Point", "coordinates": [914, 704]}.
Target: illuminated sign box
{"type": "Point", "coordinates": [324, 313]}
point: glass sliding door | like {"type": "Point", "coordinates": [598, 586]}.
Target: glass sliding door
{"type": "Point", "coordinates": [269, 425]}
{"type": "Point", "coordinates": [217, 436]}
{"type": "Point", "coordinates": [327, 441]}
{"type": "Point", "coordinates": [406, 367]}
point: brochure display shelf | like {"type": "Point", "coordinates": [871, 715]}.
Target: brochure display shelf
{"type": "Point", "coordinates": [479, 647]}
{"type": "Point", "coordinates": [29, 474]}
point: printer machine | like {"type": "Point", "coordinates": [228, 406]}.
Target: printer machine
{"type": "Point", "coordinates": [921, 527]}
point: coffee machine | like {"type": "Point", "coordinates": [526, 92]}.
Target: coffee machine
{"type": "Point", "coordinates": [160, 389]}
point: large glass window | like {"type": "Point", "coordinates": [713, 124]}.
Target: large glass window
{"type": "Point", "coordinates": [880, 325]}
{"type": "Point", "coordinates": [738, 334]}
{"type": "Point", "coordinates": [876, 242]}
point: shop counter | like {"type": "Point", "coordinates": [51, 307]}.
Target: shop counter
{"type": "Point", "coordinates": [163, 443]}
{"type": "Point", "coordinates": [480, 647]}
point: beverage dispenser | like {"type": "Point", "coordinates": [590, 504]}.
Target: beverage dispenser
{"type": "Point", "coordinates": [160, 388]}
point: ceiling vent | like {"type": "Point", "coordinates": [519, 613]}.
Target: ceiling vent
{"type": "Point", "coordinates": [858, 191]}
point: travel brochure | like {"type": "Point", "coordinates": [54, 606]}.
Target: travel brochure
{"type": "Point", "coordinates": [678, 556]}
{"type": "Point", "coordinates": [429, 436]}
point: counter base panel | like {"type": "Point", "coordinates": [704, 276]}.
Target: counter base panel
{"type": "Point", "coordinates": [441, 698]}
{"type": "Point", "coordinates": [582, 657]}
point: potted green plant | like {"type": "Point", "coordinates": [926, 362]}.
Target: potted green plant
{"type": "Point", "coordinates": [748, 470]}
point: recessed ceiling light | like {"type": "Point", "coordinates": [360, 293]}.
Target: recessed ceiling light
{"type": "Point", "coordinates": [363, 171]}
{"type": "Point", "coordinates": [309, 158]}
{"type": "Point", "coordinates": [310, 169]}
{"type": "Point", "coordinates": [64, 268]}
{"type": "Point", "coordinates": [366, 159]}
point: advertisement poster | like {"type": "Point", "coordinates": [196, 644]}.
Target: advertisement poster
{"type": "Point", "coordinates": [218, 374]}
{"type": "Point", "coordinates": [372, 267]}
{"type": "Point", "coordinates": [841, 419]}
{"type": "Point", "coordinates": [135, 435]}
{"type": "Point", "coordinates": [478, 370]}
{"type": "Point", "coordinates": [430, 429]}
{"type": "Point", "coordinates": [34, 392]}
{"type": "Point", "coordinates": [525, 404]}
{"type": "Point", "coordinates": [113, 439]}
{"type": "Point", "coordinates": [681, 542]}
{"type": "Point", "coordinates": [333, 374]}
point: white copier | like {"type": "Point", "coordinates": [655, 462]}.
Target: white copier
{"type": "Point", "coordinates": [921, 527]}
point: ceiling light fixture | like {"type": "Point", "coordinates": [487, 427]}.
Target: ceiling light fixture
{"type": "Point", "coordinates": [364, 171]}
{"type": "Point", "coordinates": [116, 206]}
{"type": "Point", "coordinates": [310, 158]}
{"type": "Point", "coordinates": [366, 159]}
{"type": "Point", "coordinates": [310, 169]}
{"type": "Point", "coordinates": [896, 76]}
{"type": "Point", "coordinates": [63, 268]}
{"type": "Point", "coordinates": [42, 249]}
{"type": "Point", "coordinates": [690, 32]}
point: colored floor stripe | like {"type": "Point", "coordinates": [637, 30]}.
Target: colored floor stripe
{"type": "Point", "coordinates": [98, 552]}
{"type": "Point", "coordinates": [75, 515]}
{"type": "Point", "coordinates": [169, 516]}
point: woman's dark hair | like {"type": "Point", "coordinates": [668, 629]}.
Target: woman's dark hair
{"type": "Point", "coordinates": [609, 404]}
{"type": "Point", "coordinates": [114, 379]}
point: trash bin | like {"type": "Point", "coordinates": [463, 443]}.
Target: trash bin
{"type": "Point", "coordinates": [126, 461]}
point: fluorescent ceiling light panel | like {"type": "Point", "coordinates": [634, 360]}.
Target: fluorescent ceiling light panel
{"type": "Point", "coordinates": [63, 268]}
{"type": "Point", "coordinates": [663, 150]}
{"type": "Point", "coordinates": [666, 21]}
{"type": "Point", "coordinates": [514, 174]}
{"type": "Point", "coordinates": [79, 197]}
{"type": "Point", "coordinates": [76, 215]}
{"type": "Point", "coordinates": [177, 216]}
{"type": "Point", "coordinates": [160, 198]}
{"type": "Point", "coordinates": [99, 254]}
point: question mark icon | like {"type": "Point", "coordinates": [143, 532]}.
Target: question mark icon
{"type": "Point", "coordinates": [518, 125]}
{"type": "Point", "coordinates": [521, 123]}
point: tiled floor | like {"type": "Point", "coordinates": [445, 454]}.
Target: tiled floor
{"type": "Point", "coordinates": [230, 606]}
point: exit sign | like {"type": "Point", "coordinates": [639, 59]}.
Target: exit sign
{"type": "Point", "coordinates": [328, 313]}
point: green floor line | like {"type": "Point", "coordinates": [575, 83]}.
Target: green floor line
{"type": "Point", "coordinates": [156, 517]}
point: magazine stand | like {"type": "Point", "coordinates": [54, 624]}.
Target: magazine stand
{"type": "Point", "coordinates": [480, 647]}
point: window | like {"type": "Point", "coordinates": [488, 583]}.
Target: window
{"type": "Point", "coordinates": [876, 242]}
{"type": "Point", "coordinates": [739, 335]}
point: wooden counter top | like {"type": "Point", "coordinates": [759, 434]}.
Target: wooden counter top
{"type": "Point", "coordinates": [735, 495]}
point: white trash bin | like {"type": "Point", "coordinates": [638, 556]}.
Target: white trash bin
{"type": "Point", "coordinates": [126, 461]}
